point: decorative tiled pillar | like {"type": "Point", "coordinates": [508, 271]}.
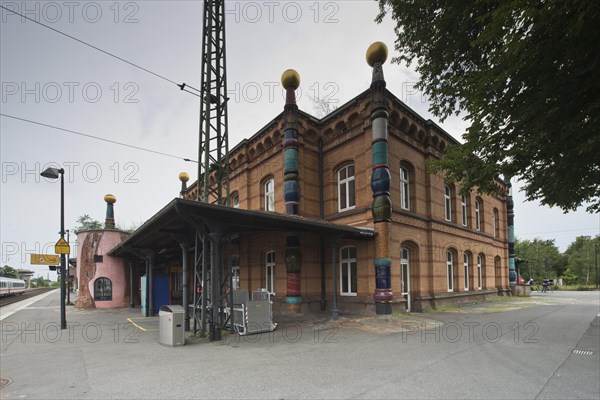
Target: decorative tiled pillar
{"type": "Point", "coordinates": [380, 180]}
{"type": "Point", "coordinates": [290, 80]}
{"type": "Point", "coordinates": [184, 178]}
{"type": "Point", "coordinates": [510, 211]}
{"type": "Point", "coordinates": [109, 222]}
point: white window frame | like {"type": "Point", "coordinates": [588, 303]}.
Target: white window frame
{"type": "Point", "coordinates": [346, 263]}
{"type": "Point", "coordinates": [235, 272]}
{"type": "Point", "coordinates": [447, 203]}
{"type": "Point", "coordinates": [349, 183]}
{"type": "Point", "coordinates": [449, 271]}
{"type": "Point", "coordinates": [495, 223]}
{"type": "Point", "coordinates": [270, 280]}
{"type": "Point", "coordinates": [479, 270]}
{"type": "Point", "coordinates": [404, 188]}
{"type": "Point", "coordinates": [269, 190]}
{"type": "Point", "coordinates": [235, 200]}
{"type": "Point", "coordinates": [463, 206]}
{"type": "Point", "coordinates": [477, 214]}
{"type": "Point", "coordinates": [404, 261]}
{"type": "Point", "coordinates": [466, 270]}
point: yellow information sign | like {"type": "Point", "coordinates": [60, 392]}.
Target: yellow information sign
{"type": "Point", "coordinates": [62, 247]}
{"type": "Point", "coordinates": [45, 259]}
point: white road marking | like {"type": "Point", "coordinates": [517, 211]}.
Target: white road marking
{"type": "Point", "coordinates": [23, 305]}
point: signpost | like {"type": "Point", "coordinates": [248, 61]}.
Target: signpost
{"type": "Point", "coordinates": [62, 247]}
{"type": "Point", "coordinates": [45, 259]}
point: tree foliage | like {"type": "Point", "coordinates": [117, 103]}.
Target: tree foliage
{"type": "Point", "coordinates": [39, 282]}
{"type": "Point", "coordinates": [85, 222]}
{"type": "Point", "coordinates": [526, 76]}
{"type": "Point", "coordinates": [323, 106]}
{"type": "Point", "coordinates": [9, 272]}
{"type": "Point", "coordinates": [581, 254]}
{"type": "Point", "coordinates": [541, 259]}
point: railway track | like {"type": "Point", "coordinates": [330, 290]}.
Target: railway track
{"type": "Point", "coordinates": [4, 301]}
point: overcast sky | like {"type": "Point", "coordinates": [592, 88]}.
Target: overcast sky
{"type": "Point", "coordinates": [51, 79]}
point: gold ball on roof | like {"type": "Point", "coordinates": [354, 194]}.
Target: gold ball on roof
{"type": "Point", "coordinates": [184, 177]}
{"type": "Point", "coordinates": [290, 79]}
{"type": "Point", "coordinates": [110, 198]}
{"type": "Point", "coordinates": [377, 53]}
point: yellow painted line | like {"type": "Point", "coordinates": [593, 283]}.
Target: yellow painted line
{"type": "Point", "coordinates": [138, 326]}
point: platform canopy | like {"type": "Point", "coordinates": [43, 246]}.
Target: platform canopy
{"type": "Point", "coordinates": [183, 218]}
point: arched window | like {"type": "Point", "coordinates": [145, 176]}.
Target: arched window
{"type": "Point", "coordinates": [464, 206]}
{"type": "Point", "coordinates": [480, 268]}
{"type": "Point", "coordinates": [448, 203]}
{"type": "Point", "coordinates": [450, 271]}
{"type": "Point", "coordinates": [346, 197]}
{"type": "Point", "coordinates": [466, 270]}
{"type": "Point", "coordinates": [348, 271]}
{"type": "Point", "coordinates": [478, 212]}
{"type": "Point", "coordinates": [235, 200]}
{"type": "Point", "coordinates": [405, 187]}
{"type": "Point", "coordinates": [269, 194]}
{"type": "Point", "coordinates": [496, 223]}
{"type": "Point", "coordinates": [498, 272]}
{"type": "Point", "coordinates": [103, 289]}
{"type": "Point", "coordinates": [405, 270]}
{"type": "Point", "coordinates": [270, 272]}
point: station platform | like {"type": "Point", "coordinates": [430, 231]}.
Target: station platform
{"type": "Point", "coordinates": [104, 353]}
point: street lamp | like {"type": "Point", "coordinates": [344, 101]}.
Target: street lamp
{"type": "Point", "coordinates": [54, 173]}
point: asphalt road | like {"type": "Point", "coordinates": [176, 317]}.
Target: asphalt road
{"type": "Point", "coordinates": [546, 346]}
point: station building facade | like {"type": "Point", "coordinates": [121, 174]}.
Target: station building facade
{"type": "Point", "coordinates": [445, 248]}
{"type": "Point", "coordinates": [338, 213]}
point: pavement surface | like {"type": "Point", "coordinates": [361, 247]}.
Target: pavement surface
{"type": "Point", "coordinates": [543, 347]}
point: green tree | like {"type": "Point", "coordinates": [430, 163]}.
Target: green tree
{"type": "Point", "coordinates": [542, 259]}
{"type": "Point", "coordinates": [85, 222]}
{"type": "Point", "coordinates": [9, 272]}
{"type": "Point", "coordinates": [525, 75]}
{"type": "Point", "coordinates": [39, 282]}
{"type": "Point", "coordinates": [581, 260]}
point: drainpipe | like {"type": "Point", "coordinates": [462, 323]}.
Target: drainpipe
{"type": "Point", "coordinates": [322, 217]}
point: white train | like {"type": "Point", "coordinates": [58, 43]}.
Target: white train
{"type": "Point", "coordinates": [10, 286]}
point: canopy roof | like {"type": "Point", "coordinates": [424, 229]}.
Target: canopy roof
{"type": "Point", "coordinates": [182, 218]}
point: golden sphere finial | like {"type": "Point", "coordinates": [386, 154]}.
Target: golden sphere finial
{"type": "Point", "coordinates": [377, 53]}
{"type": "Point", "coordinates": [290, 79]}
{"type": "Point", "coordinates": [110, 198]}
{"type": "Point", "coordinates": [184, 177]}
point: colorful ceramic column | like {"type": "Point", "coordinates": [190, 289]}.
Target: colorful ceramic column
{"type": "Point", "coordinates": [380, 180]}
{"type": "Point", "coordinates": [290, 80]}
{"type": "Point", "coordinates": [510, 211]}
{"type": "Point", "coordinates": [184, 178]}
{"type": "Point", "coordinates": [109, 222]}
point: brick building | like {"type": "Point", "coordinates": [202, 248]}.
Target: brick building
{"type": "Point", "coordinates": [445, 248]}
{"type": "Point", "coordinates": [337, 213]}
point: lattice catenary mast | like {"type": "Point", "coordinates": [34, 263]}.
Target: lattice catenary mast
{"type": "Point", "coordinates": [213, 142]}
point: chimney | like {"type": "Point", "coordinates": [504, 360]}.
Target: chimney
{"type": "Point", "coordinates": [109, 223]}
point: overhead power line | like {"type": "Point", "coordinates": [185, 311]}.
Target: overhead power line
{"type": "Point", "coordinates": [566, 230]}
{"type": "Point", "coordinates": [97, 138]}
{"type": "Point", "coordinates": [181, 86]}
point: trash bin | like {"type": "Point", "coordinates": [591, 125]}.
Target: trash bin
{"type": "Point", "coordinates": [170, 325]}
